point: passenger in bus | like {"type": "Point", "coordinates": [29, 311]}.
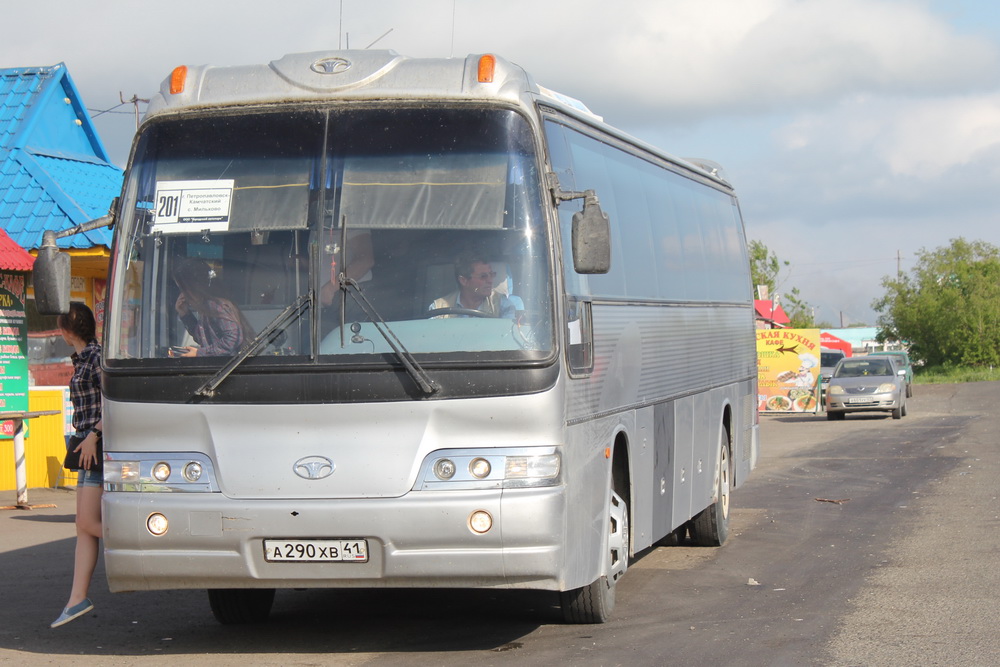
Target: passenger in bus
{"type": "Point", "coordinates": [214, 322]}
{"type": "Point", "coordinates": [475, 276]}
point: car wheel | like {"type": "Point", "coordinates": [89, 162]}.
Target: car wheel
{"type": "Point", "coordinates": [897, 413]}
{"type": "Point", "coordinates": [904, 409]}
{"type": "Point", "coordinates": [909, 390]}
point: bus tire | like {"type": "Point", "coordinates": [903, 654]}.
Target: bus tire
{"type": "Point", "coordinates": [710, 527]}
{"type": "Point", "coordinates": [595, 602]}
{"type": "Point", "coordinates": [239, 606]}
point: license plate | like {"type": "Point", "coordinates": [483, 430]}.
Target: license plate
{"type": "Point", "coordinates": [316, 551]}
{"type": "Point", "coordinates": [860, 400]}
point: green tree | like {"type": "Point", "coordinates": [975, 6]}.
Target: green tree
{"type": "Point", "coordinates": [800, 313]}
{"type": "Point", "coordinates": [948, 307]}
{"type": "Point", "coordinates": [764, 267]}
{"type": "Point", "coordinates": [764, 270]}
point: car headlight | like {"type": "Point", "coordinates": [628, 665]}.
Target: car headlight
{"type": "Point", "coordinates": [502, 468]}
{"type": "Point", "coordinates": [885, 388]}
{"type": "Point", "coordinates": [835, 389]}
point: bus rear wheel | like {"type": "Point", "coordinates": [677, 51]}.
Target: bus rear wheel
{"type": "Point", "coordinates": [238, 606]}
{"type": "Point", "coordinates": [595, 602]}
{"type": "Point", "coordinates": [710, 527]}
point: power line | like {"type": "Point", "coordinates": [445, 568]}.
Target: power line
{"type": "Point", "coordinates": [100, 112]}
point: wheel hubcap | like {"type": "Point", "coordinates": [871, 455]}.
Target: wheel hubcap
{"type": "Point", "coordinates": [619, 538]}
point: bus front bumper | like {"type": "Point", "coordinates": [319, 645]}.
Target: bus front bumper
{"type": "Point", "coordinates": [423, 539]}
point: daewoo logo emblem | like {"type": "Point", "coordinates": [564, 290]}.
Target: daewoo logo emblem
{"type": "Point", "coordinates": [331, 66]}
{"type": "Point", "coordinates": [314, 467]}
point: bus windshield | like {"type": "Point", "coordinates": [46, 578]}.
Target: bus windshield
{"type": "Point", "coordinates": [425, 220]}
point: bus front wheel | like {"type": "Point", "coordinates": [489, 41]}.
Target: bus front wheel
{"type": "Point", "coordinates": [238, 606]}
{"type": "Point", "coordinates": [595, 602]}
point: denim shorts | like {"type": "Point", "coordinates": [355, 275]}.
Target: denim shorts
{"type": "Point", "coordinates": [90, 478]}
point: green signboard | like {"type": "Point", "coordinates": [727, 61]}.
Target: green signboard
{"type": "Point", "coordinates": [13, 347]}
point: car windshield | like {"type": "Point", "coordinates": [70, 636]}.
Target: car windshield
{"type": "Point", "coordinates": [229, 219]}
{"type": "Point", "coordinates": [829, 359]}
{"type": "Point", "coordinates": [862, 367]}
{"type": "Point", "coordinates": [901, 357]}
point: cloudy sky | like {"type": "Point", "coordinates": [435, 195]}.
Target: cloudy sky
{"type": "Point", "coordinates": [856, 132]}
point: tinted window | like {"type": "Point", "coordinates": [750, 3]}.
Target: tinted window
{"type": "Point", "coordinates": [672, 237]}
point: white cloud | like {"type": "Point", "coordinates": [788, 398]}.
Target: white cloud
{"type": "Point", "coordinates": [684, 58]}
{"type": "Point", "coordinates": [940, 135]}
{"type": "Point", "coordinates": [837, 120]}
{"type": "Point", "coordinates": [667, 58]}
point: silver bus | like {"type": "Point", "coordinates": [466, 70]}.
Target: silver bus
{"type": "Point", "coordinates": [376, 321]}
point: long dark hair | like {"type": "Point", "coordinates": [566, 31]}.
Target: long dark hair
{"type": "Point", "coordinates": [194, 276]}
{"type": "Point", "coordinates": [79, 321]}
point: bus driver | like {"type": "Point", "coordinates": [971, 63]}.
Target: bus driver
{"type": "Point", "coordinates": [475, 290]}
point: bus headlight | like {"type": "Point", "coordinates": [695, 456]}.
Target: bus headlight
{"type": "Point", "coordinates": [444, 468]}
{"type": "Point", "coordinates": [121, 471]}
{"type": "Point", "coordinates": [533, 467]}
{"type": "Point", "coordinates": [192, 471]}
{"type": "Point", "coordinates": [161, 472]}
{"type": "Point", "coordinates": [480, 468]}
{"type": "Point", "coordinates": [153, 472]}
{"type": "Point", "coordinates": [499, 468]}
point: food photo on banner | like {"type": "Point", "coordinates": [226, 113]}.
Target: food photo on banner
{"type": "Point", "coordinates": [788, 363]}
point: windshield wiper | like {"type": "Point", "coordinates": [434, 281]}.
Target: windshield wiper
{"type": "Point", "coordinates": [267, 335]}
{"type": "Point", "coordinates": [419, 375]}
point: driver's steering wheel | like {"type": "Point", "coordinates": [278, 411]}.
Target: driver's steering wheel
{"type": "Point", "coordinates": [437, 312]}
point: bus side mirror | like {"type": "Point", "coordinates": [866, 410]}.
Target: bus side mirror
{"type": "Point", "coordinates": [591, 237]}
{"type": "Point", "coordinates": [50, 277]}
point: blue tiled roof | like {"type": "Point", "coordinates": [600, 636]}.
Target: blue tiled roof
{"type": "Point", "coordinates": [54, 171]}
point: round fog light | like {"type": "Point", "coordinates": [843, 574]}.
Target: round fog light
{"type": "Point", "coordinates": [156, 524]}
{"type": "Point", "coordinates": [479, 468]}
{"type": "Point", "coordinates": [444, 468]}
{"type": "Point", "coordinates": [161, 472]}
{"type": "Point", "coordinates": [480, 521]}
{"type": "Point", "coordinates": [192, 471]}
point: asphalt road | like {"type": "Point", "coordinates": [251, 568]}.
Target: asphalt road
{"type": "Point", "coordinates": [903, 570]}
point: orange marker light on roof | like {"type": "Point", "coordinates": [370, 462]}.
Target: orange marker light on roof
{"type": "Point", "coordinates": [177, 79]}
{"type": "Point", "coordinates": [487, 65]}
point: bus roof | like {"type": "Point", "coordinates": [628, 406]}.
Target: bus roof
{"type": "Point", "coordinates": [376, 75]}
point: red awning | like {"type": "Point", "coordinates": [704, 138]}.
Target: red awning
{"type": "Point", "coordinates": [768, 311]}
{"type": "Point", "coordinates": [12, 256]}
{"type": "Point", "coordinates": [831, 341]}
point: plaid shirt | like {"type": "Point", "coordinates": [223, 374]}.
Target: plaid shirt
{"type": "Point", "coordinates": [85, 387]}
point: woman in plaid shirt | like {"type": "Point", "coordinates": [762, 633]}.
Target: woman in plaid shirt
{"type": "Point", "coordinates": [79, 331]}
